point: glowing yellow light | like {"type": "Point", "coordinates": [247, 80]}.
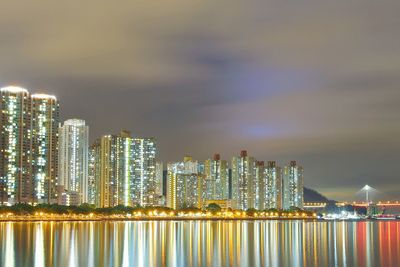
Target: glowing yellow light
{"type": "Point", "coordinates": [44, 96]}
{"type": "Point", "coordinates": [14, 89]}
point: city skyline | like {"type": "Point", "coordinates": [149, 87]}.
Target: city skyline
{"type": "Point", "coordinates": [200, 133]}
{"type": "Point", "coordinates": [284, 82]}
{"type": "Point", "coordinates": [45, 161]}
{"type": "Point", "coordinates": [42, 108]}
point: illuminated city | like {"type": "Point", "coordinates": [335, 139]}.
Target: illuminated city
{"type": "Point", "coordinates": [200, 133]}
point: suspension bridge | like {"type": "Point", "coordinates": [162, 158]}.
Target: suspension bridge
{"type": "Point", "coordinates": [367, 196]}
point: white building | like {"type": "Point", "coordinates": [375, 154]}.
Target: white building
{"type": "Point", "coordinates": [73, 158]}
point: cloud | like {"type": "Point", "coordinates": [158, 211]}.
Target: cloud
{"type": "Point", "coordinates": [309, 80]}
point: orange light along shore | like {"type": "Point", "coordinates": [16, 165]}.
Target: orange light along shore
{"type": "Point", "coordinates": [38, 217]}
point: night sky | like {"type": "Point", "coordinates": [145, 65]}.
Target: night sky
{"type": "Point", "coordinates": [305, 80]}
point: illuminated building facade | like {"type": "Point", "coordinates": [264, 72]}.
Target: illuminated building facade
{"type": "Point", "coordinates": [184, 184]}
{"type": "Point", "coordinates": [122, 171]}
{"type": "Point", "coordinates": [110, 170]}
{"type": "Point", "coordinates": [216, 179]}
{"type": "Point", "coordinates": [69, 198]}
{"type": "Point", "coordinates": [144, 184]}
{"type": "Point", "coordinates": [45, 121]}
{"type": "Point", "coordinates": [73, 158]}
{"type": "Point", "coordinates": [293, 186]}
{"type": "Point", "coordinates": [258, 183]}
{"type": "Point", "coordinates": [15, 146]}
{"type": "Point", "coordinates": [160, 183]}
{"type": "Point", "coordinates": [271, 187]}
{"type": "Point", "coordinates": [94, 169]}
{"type": "Point", "coordinates": [29, 146]}
{"type": "Point", "coordinates": [243, 176]}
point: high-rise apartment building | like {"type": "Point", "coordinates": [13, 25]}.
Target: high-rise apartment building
{"type": "Point", "coordinates": [94, 173]}
{"type": "Point", "coordinates": [160, 182]}
{"type": "Point", "coordinates": [243, 179]}
{"type": "Point", "coordinates": [293, 186]}
{"type": "Point", "coordinates": [74, 159]}
{"type": "Point", "coordinates": [184, 184]}
{"type": "Point", "coordinates": [122, 171]}
{"type": "Point", "coordinates": [111, 170]}
{"type": "Point", "coordinates": [29, 146]}
{"type": "Point", "coordinates": [144, 184]}
{"type": "Point", "coordinates": [45, 121]}
{"type": "Point", "coordinates": [271, 187]}
{"type": "Point", "coordinates": [216, 179]}
{"type": "Point", "coordinates": [15, 146]}
{"type": "Point", "coordinates": [258, 183]}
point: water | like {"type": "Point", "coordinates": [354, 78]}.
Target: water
{"type": "Point", "coordinates": [200, 243]}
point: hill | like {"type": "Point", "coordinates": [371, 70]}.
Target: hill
{"type": "Point", "coordinates": [311, 195]}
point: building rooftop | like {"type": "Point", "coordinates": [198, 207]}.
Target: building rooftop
{"type": "Point", "coordinates": [44, 96]}
{"type": "Point", "coordinates": [74, 122]}
{"type": "Point", "coordinates": [14, 89]}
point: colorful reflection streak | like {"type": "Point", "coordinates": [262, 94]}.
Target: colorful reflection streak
{"type": "Point", "coordinates": [200, 243]}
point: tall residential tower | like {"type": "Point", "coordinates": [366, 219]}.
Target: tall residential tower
{"type": "Point", "coordinates": [15, 146]}
{"type": "Point", "coordinates": [29, 146]}
{"type": "Point", "coordinates": [271, 187]}
{"type": "Point", "coordinates": [293, 186]}
{"type": "Point", "coordinates": [111, 170]}
{"type": "Point", "coordinates": [160, 183]}
{"type": "Point", "coordinates": [243, 179]}
{"type": "Point", "coordinates": [73, 158]}
{"type": "Point", "coordinates": [216, 180]}
{"type": "Point", "coordinates": [144, 184]}
{"type": "Point", "coordinates": [122, 171]}
{"type": "Point", "coordinates": [45, 121]}
{"type": "Point", "coordinates": [184, 184]}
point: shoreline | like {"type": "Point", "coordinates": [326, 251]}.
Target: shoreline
{"type": "Point", "coordinates": [157, 219]}
{"type": "Point", "coordinates": [153, 219]}
{"type": "Point", "coordinates": [310, 219]}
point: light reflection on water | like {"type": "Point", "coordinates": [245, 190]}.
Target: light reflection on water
{"type": "Point", "coordinates": [200, 243]}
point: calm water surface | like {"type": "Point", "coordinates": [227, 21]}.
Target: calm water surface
{"type": "Point", "coordinates": [200, 243]}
